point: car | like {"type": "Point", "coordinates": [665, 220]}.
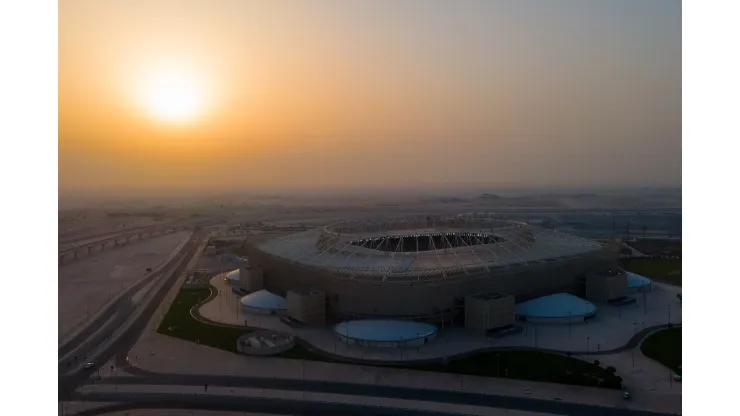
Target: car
{"type": "Point", "coordinates": [626, 395]}
{"type": "Point", "coordinates": [89, 365]}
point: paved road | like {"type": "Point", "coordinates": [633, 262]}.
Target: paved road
{"type": "Point", "coordinates": [243, 404]}
{"type": "Point", "coordinates": [119, 305]}
{"type": "Point", "coordinates": [69, 382]}
{"type": "Point", "coordinates": [372, 390]}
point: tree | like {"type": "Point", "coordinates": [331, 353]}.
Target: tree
{"type": "Point", "coordinates": [597, 362]}
{"type": "Point", "coordinates": [611, 369]}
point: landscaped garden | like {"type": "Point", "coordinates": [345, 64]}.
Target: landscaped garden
{"type": "Point", "coordinates": [665, 270]}
{"type": "Point", "coordinates": [664, 347]}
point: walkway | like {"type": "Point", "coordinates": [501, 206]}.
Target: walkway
{"type": "Point", "coordinates": [612, 330]}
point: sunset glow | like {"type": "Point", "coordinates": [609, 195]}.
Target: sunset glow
{"type": "Point", "coordinates": [308, 95]}
{"type": "Point", "coordinates": [173, 97]}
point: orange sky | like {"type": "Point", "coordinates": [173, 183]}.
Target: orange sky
{"type": "Point", "coordinates": [375, 93]}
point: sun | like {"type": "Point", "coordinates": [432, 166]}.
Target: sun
{"type": "Point", "coordinates": [174, 97]}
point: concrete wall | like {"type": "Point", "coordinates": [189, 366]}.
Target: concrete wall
{"type": "Point", "coordinates": [484, 314]}
{"type": "Point", "coordinates": [601, 288]}
{"type": "Point", "coordinates": [388, 344]}
{"type": "Point", "coordinates": [258, 311]}
{"type": "Point", "coordinates": [559, 320]}
{"type": "Point", "coordinates": [252, 278]}
{"type": "Point", "coordinates": [307, 308]}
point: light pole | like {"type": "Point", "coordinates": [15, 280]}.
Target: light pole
{"type": "Point", "coordinates": [634, 331]}
{"type": "Point", "coordinates": [588, 345]}
{"type": "Point", "coordinates": [570, 320]}
{"type": "Point", "coordinates": [644, 302]}
{"type": "Point", "coordinates": [669, 314]}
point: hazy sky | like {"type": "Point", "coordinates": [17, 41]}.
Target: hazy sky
{"type": "Point", "coordinates": [326, 94]}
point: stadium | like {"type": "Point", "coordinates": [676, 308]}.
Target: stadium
{"type": "Point", "coordinates": [424, 267]}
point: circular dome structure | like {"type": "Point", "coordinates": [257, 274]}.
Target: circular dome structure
{"type": "Point", "coordinates": [421, 267]}
{"type": "Point", "coordinates": [266, 342]}
{"type": "Point", "coordinates": [381, 333]}
{"type": "Point", "coordinates": [233, 276]}
{"type": "Point", "coordinates": [637, 283]}
{"type": "Point", "coordinates": [264, 303]}
{"type": "Point", "coordinates": [557, 308]}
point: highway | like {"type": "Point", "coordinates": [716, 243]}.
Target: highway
{"type": "Point", "coordinates": [69, 381]}
{"type": "Point", "coordinates": [241, 404]}
{"type": "Point", "coordinates": [372, 390]}
{"type": "Point", "coordinates": [120, 304]}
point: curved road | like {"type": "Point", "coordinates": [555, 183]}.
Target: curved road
{"type": "Point", "coordinates": [242, 404]}
{"type": "Point", "coordinates": [372, 390]}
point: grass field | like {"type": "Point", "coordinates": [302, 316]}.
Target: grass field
{"type": "Point", "coordinates": [664, 347]}
{"type": "Point", "coordinates": [653, 247]}
{"type": "Point", "coordinates": [179, 323]}
{"type": "Point", "coordinates": [658, 269]}
{"type": "Point", "coordinates": [524, 365]}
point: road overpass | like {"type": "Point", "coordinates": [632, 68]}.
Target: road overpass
{"type": "Point", "coordinates": [73, 253]}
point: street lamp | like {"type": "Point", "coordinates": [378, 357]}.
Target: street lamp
{"type": "Point", "coordinates": [669, 314]}
{"type": "Point", "coordinates": [634, 331]}
{"type": "Point", "coordinates": [570, 321]}
{"type": "Point", "coordinates": [588, 345]}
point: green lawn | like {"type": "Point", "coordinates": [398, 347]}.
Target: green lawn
{"type": "Point", "coordinates": [525, 365]}
{"type": "Point", "coordinates": [664, 347]}
{"type": "Point", "coordinates": [658, 269]}
{"type": "Point", "coordinates": [530, 365]}
{"type": "Point", "coordinates": [179, 323]}
{"type": "Point", "coordinates": [655, 247]}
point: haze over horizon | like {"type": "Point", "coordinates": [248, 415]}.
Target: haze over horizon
{"type": "Point", "coordinates": [270, 96]}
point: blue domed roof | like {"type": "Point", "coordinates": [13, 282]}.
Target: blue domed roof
{"type": "Point", "coordinates": [264, 300]}
{"type": "Point", "coordinates": [380, 330]}
{"type": "Point", "coordinates": [635, 280]}
{"type": "Point", "coordinates": [559, 305]}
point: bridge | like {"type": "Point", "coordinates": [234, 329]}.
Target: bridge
{"type": "Point", "coordinates": [74, 253]}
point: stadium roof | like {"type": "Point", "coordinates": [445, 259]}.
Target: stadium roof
{"type": "Point", "coordinates": [264, 300]}
{"type": "Point", "coordinates": [454, 245]}
{"type": "Point", "coordinates": [559, 305]}
{"type": "Point", "coordinates": [381, 330]}
{"type": "Point", "coordinates": [635, 280]}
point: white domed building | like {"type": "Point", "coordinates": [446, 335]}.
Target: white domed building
{"type": "Point", "coordinates": [264, 303]}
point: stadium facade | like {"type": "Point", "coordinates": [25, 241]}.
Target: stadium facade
{"type": "Point", "coordinates": [424, 267]}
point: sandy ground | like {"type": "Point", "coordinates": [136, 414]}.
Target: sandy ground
{"type": "Point", "coordinates": [87, 284]}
